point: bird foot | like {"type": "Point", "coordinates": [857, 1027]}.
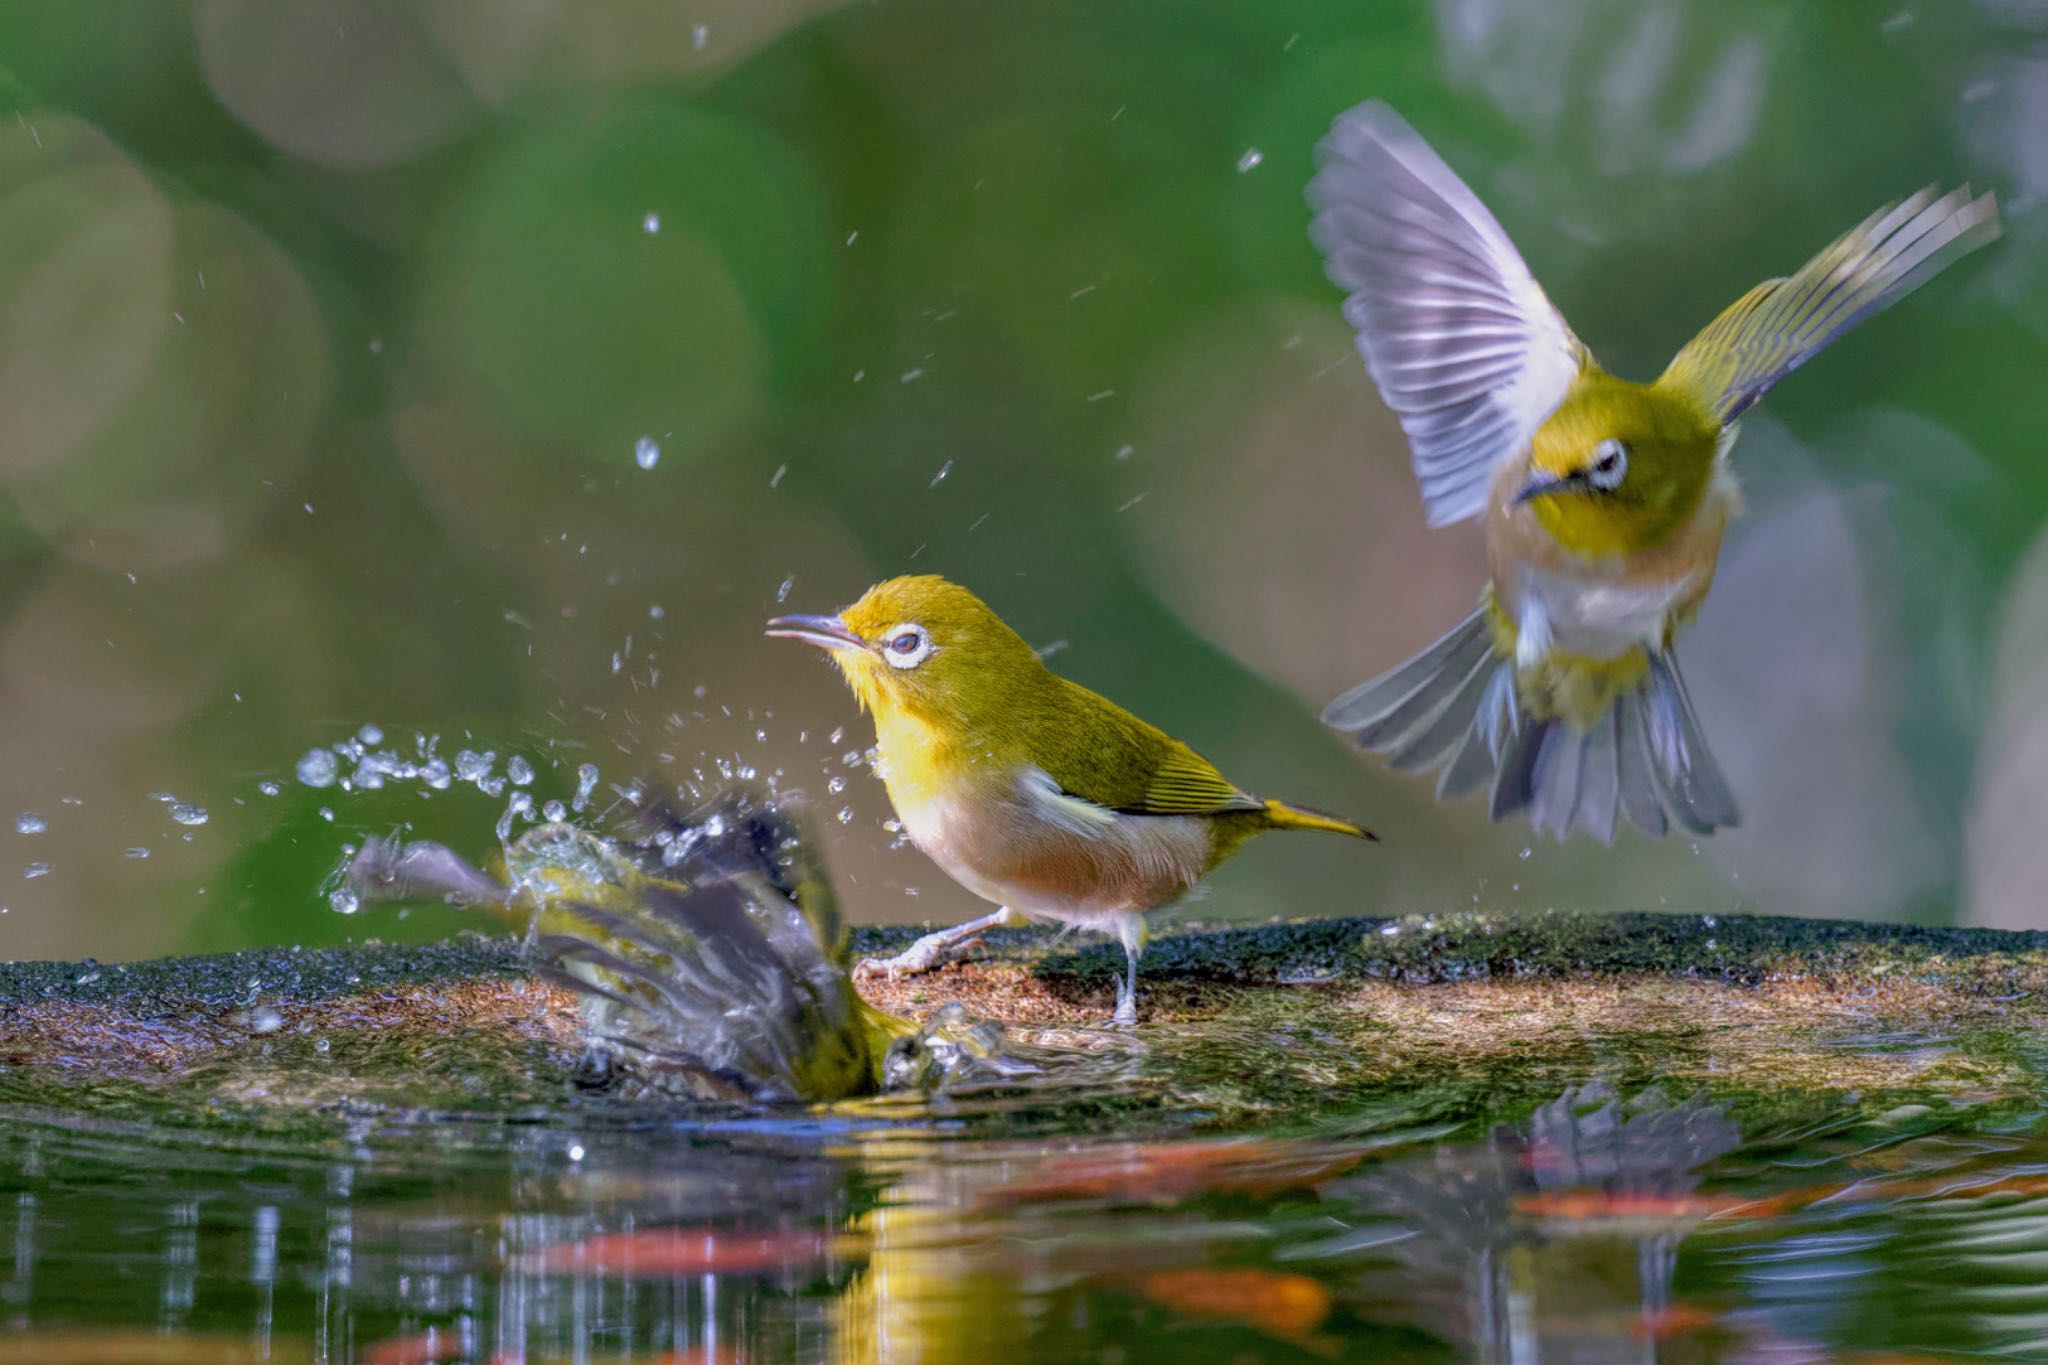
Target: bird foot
{"type": "Point", "coordinates": [927, 954]}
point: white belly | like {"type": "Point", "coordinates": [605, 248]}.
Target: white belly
{"type": "Point", "coordinates": [1052, 856]}
{"type": "Point", "coordinates": [1591, 614]}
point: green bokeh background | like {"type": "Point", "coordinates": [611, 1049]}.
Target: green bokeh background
{"type": "Point", "coordinates": [327, 333]}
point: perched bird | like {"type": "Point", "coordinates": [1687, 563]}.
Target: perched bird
{"type": "Point", "coordinates": [1603, 501]}
{"type": "Point", "coordinates": [1029, 790]}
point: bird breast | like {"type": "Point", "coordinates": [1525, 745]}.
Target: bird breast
{"type": "Point", "coordinates": [1602, 606]}
{"type": "Point", "coordinates": [1022, 842]}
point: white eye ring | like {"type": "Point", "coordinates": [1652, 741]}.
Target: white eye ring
{"type": "Point", "coordinates": [907, 645]}
{"type": "Point", "coordinates": [1609, 467]}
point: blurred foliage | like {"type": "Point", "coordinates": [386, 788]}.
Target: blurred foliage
{"type": "Point", "coordinates": [328, 333]}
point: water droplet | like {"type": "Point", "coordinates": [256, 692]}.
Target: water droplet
{"type": "Point", "coordinates": [343, 901]}
{"type": "Point", "coordinates": [1125, 452]}
{"type": "Point", "coordinates": [836, 785]}
{"type": "Point", "coordinates": [1250, 160]}
{"type": "Point", "coordinates": [28, 822]}
{"type": "Point", "coordinates": [846, 815]}
{"type": "Point", "coordinates": [327, 814]}
{"type": "Point", "coordinates": [1389, 930]}
{"type": "Point", "coordinates": [520, 804]}
{"type": "Point", "coordinates": [265, 1020]}
{"type": "Point", "coordinates": [317, 768]}
{"type": "Point", "coordinates": [782, 593]}
{"type": "Point", "coordinates": [700, 34]}
{"type": "Point", "coordinates": [320, 1045]}
{"type": "Point", "coordinates": [940, 477]}
{"type": "Point", "coordinates": [88, 976]}
{"type": "Point", "coordinates": [651, 224]}
{"type": "Point", "coordinates": [586, 783]}
{"type": "Point", "coordinates": [371, 734]}
{"type": "Point", "coordinates": [434, 772]}
{"type": "Point", "coordinates": [575, 1151]}
{"type": "Point", "coordinates": [137, 852]}
{"type": "Point", "coordinates": [838, 733]}
{"type": "Point", "coordinates": [519, 770]}
{"type": "Point", "coordinates": [647, 452]}
{"type": "Point", "coordinates": [268, 787]}
{"type": "Point", "coordinates": [1526, 854]}
{"type": "Point", "coordinates": [186, 813]}
{"type": "Point", "coordinates": [35, 870]}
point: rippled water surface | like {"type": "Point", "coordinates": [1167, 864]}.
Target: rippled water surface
{"type": "Point", "coordinates": [1186, 1193]}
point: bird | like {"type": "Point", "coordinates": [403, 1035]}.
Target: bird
{"type": "Point", "coordinates": [706, 947]}
{"type": "Point", "coordinates": [1028, 789]}
{"type": "Point", "coordinates": [1603, 501]}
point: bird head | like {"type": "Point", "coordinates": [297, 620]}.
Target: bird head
{"type": "Point", "coordinates": [1618, 466]}
{"type": "Point", "coordinates": [923, 645]}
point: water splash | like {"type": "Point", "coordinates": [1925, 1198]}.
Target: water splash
{"type": "Point", "coordinates": [318, 768]}
{"type": "Point", "coordinates": [586, 783]}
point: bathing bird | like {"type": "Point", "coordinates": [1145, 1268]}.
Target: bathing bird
{"type": "Point", "coordinates": [707, 948]}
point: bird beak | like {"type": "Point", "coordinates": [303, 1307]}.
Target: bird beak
{"type": "Point", "coordinates": [1542, 485]}
{"type": "Point", "coordinates": [826, 632]}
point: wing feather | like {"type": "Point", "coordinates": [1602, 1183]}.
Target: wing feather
{"type": "Point", "coordinates": [1185, 783]}
{"type": "Point", "coordinates": [1454, 329]}
{"type": "Point", "coordinates": [1781, 324]}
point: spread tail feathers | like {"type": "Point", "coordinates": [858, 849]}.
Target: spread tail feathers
{"type": "Point", "coordinates": [1454, 707]}
{"type": "Point", "coordinates": [1283, 816]}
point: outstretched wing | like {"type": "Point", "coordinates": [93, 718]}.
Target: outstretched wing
{"type": "Point", "coordinates": [1781, 324]}
{"type": "Point", "coordinates": [1456, 332]}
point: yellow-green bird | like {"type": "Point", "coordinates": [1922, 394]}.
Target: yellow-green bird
{"type": "Point", "coordinates": [1603, 501]}
{"type": "Point", "coordinates": [1029, 790]}
{"type": "Point", "coordinates": [708, 949]}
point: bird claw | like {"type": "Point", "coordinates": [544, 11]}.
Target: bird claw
{"type": "Point", "coordinates": [927, 954]}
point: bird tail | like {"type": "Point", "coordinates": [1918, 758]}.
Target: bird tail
{"type": "Point", "coordinates": [1280, 815]}
{"type": "Point", "coordinates": [1455, 706]}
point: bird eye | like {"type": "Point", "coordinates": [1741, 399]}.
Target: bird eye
{"type": "Point", "coordinates": [907, 646]}
{"type": "Point", "coordinates": [1610, 465]}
